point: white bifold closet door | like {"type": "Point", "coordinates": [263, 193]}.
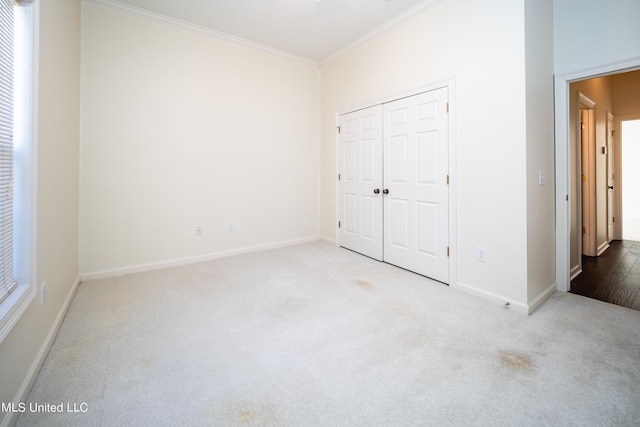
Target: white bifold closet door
{"type": "Point", "coordinates": [416, 208]}
{"type": "Point", "coordinates": [395, 198]}
{"type": "Point", "coordinates": [361, 181]}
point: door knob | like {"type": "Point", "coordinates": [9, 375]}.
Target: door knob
{"type": "Point", "coordinates": [376, 191]}
{"type": "Point", "coordinates": [385, 191]}
{"type": "Point", "coordinates": [611, 187]}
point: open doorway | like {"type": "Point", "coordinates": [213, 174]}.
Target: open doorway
{"type": "Point", "coordinates": [630, 179]}
{"type": "Point", "coordinates": [604, 261]}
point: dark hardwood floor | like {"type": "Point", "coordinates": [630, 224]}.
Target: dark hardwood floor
{"type": "Point", "coordinates": [612, 277]}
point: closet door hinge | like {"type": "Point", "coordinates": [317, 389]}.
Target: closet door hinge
{"type": "Point", "coordinates": [447, 251]}
{"type": "Point", "coordinates": [338, 129]}
{"type": "Point", "coordinates": [339, 224]}
{"type": "Point", "coordinates": [447, 107]}
{"type": "Point", "coordinates": [338, 177]}
{"type": "Point", "coordinates": [447, 179]}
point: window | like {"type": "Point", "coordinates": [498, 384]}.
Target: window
{"type": "Point", "coordinates": [17, 26]}
{"type": "Point", "coordinates": [7, 280]}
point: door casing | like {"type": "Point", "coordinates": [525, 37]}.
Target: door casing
{"type": "Point", "coordinates": [561, 96]}
{"type": "Point", "coordinates": [611, 184]}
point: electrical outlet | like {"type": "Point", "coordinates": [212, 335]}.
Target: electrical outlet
{"type": "Point", "coordinates": [43, 292]}
{"type": "Point", "coordinates": [231, 227]}
{"type": "Point", "coordinates": [481, 254]}
{"type": "Point", "coordinates": [199, 230]}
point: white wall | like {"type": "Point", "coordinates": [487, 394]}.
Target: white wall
{"type": "Point", "coordinates": [592, 33]}
{"type": "Point", "coordinates": [540, 149]}
{"type": "Point", "coordinates": [481, 45]}
{"type": "Point", "coordinates": [22, 351]}
{"type": "Point", "coordinates": [181, 129]}
{"type": "Point", "coordinates": [590, 37]}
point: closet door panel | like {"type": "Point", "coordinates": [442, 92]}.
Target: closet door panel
{"type": "Point", "coordinates": [360, 217]}
{"type": "Point", "coordinates": [416, 227]}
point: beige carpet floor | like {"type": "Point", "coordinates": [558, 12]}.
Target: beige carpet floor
{"type": "Point", "coordinates": [315, 335]}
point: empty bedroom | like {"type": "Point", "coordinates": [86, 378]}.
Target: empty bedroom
{"type": "Point", "coordinates": [302, 213]}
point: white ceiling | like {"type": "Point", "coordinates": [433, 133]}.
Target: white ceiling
{"type": "Point", "coordinates": [312, 29]}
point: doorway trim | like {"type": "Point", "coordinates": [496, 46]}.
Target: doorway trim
{"type": "Point", "coordinates": [449, 83]}
{"type": "Point", "coordinates": [563, 212]}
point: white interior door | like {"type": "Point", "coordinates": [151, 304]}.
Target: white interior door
{"type": "Point", "coordinates": [610, 179]}
{"type": "Point", "coordinates": [416, 207]}
{"type": "Point", "coordinates": [361, 181]}
{"type": "Point", "coordinates": [587, 138]}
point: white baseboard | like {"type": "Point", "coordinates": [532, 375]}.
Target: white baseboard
{"type": "Point", "coordinates": [603, 247]}
{"type": "Point", "coordinates": [502, 300]}
{"type": "Point", "coordinates": [328, 240]}
{"type": "Point", "coordinates": [575, 271]}
{"type": "Point", "coordinates": [492, 297]}
{"type": "Point", "coordinates": [542, 297]}
{"type": "Point", "coordinates": [25, 388]}
{"type": "Point", "coordinates": [192, 260]}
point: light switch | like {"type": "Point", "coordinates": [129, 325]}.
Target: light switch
{"type": "Point", "coordinates": [481, 254]}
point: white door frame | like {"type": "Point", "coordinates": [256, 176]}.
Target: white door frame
{"type": "Point", "coordinates": [562, 159]}
{"type": "Point", "coordinates": [453, 236]}
{"type": "Point", "coordinates": [611, 172]}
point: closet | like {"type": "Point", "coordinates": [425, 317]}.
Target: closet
{"type": "Point", "coordinates": [393, 183]}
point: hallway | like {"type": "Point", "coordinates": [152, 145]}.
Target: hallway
{"type": "Point", "coordinates": [613, 277]}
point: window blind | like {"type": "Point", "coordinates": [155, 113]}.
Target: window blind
{"type": "Point", "coordinates": [7, 280]}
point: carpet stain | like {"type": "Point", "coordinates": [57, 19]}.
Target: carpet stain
{"type": "Point", "coordinates": [515, 360]}
{"type": "Point", "coordinates": [364, 284]}
{"type": "Point", "coordinates": [249, 414]}
{"type": "Point", "coordinates": [403, 309]}
{"type": "Point", "coordinates": [246, 416]}
{"type": "Point", "coordinates": [415, 338]}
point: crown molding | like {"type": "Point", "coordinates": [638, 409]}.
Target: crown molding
{"type": "Point", "coordinates": [384, 27]}
{"type": "Point", "coordinates": [133, 10]}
